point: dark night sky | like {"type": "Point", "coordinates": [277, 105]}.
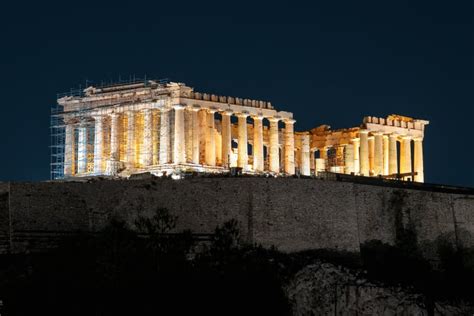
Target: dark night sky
{"type": "Point", "coordinates": [331, 62]}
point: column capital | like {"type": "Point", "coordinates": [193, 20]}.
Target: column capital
{"type": "Point", "coordinates": [164, 109]}
{"type": "Point", "coordinates": [275, 118]}
{"type": "Point", "coordinates": [355, 140]}
{"type": "Point", "coordinates": [115, 114]}
{"type": "Point", "coordinates": [98, 116]}
{"type": "Point", "coordinates": [377, 133]}
{"type": "Point", "coordinates": [178, 106]}
{"type": "Point", "coordinates": [258, 116]}
{"type": "Point", "coordinates": [227, 112]}
{"type": "Point", "coordinates": [406, 137]}
{"type": "Point", "coordinates": [243, 114]}
{"type": "Point", "coordinates": [83, 123]}
{"type": "Point", "coordinates": [194, 107]}
{"type": "Point", "coordinates": [289, 121]}
{"type": "Point", "coordinates": [363, 131]}
{"type": "Point", "coordinates": [70, 121]}
{"type": "Point", "coordinates": [211, 110]}
{"type": "Point", "coordinates": [418, 139]}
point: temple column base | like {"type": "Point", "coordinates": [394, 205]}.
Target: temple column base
{"type": "Point", "coordinates": [114, 167]}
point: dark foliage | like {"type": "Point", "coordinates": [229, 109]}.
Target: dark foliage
{"type": "Point", "coordinates": [145, 271]}
{"type": "Point", "coordinates": [150, 270]}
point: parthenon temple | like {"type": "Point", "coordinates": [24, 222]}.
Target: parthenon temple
{"type": "Point", "coordinates": [167, 128]}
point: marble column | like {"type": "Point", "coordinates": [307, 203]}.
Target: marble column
{"type": "Point", "coordinates": [113, 164]}
{"type": "Point", "coordinates": [156, 136]}
{"type": "Point", "coordinates": [99, 143]}
{"type": "Point", "coordinates": [290, 146]}
{"type": "Point", "coordinates": [131, 140]}
{"type": "Point", "coordinates": [195, 134]}
{"type": "Point", "coordinates": [82, 149]}
{"type": "Point", "coordinates": [147, 153]}
{"type": "Point", "coordinates": [69, 150]}
{"type": "Point", "coordinates": [418, 160]}
{"type": "Point", "coordinates": [385, 154]}
{"type": "Point", "coordinates": [179, 146]}
{"type": "Point", "coordinates": [312, 161]}
{"type": "Point", "coordinates": [258, 164]}
{"type": "Point", "coordinates": [242, 160]}
{"type": "Point", "coordinates": [356, 146]}
{"type": "Point", "coordinates": [323, 153]}
{"type": "Point", "coordinates": [274, 145]}
{"type": "Point", "coordinates": [115, 136]}
{"type": "Point", "coordinates": [371, 155]}
{"type": "Point", "coordinates": [165, 136]}
{"type": "Point", "coordinates": [364, 152]}
{"type": "Point", "coordinates": [226, 138]}
{"type": "Point", "coordinates": [378, 154]}
{"type": "Point", "coordinates": [349, 158]}
{"type": "Point", "coordinates": [405, 155]}
{"type": "Point", "coordinates": [305, 155]}
{"type": "Point", "coordinates": [392, 154]}
{"type": "Point", "coordinates": [210, 138]}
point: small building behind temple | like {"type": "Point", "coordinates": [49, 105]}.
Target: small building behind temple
{"type": "Point", "coordinates": [168, 128]}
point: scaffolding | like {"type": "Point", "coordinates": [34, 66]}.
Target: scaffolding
{"type": "Point", "coordinates": [57, 132]}
{"type": "Point", "coordinates": [58, 127]}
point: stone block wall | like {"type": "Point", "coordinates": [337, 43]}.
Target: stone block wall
{"type": "Point", "coordinates": [289, 213]}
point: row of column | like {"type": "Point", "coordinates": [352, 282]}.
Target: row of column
{"type": "Point", "coordinates": [379, 155]}
{"type": "Point", "coordinates": [179, 143]}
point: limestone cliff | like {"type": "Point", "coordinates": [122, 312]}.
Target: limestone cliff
{"type": "Point", "coordinates": [324, 289]}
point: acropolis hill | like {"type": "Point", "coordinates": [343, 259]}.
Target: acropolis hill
{"type": "Point", "coordinates": [164, 127]}
{"type": "Point", "coordinates": [125, 150]}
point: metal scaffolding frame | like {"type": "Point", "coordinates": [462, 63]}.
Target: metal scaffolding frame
{"type": "Point", "coordinates": [58, 129]}
{"type": "Point", "coordinates": [57, 133]}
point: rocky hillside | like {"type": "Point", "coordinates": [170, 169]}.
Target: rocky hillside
{"type": "Point", "coordinates": [325, 289]}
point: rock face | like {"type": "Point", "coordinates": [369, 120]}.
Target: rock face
{"type": "Point", "coordinates": [288, 213]}
{"type": "Point", "coordinates": [324, 289]}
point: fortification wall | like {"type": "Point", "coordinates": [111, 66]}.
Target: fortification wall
{"type": "Point", "coordinates": [289, 213]}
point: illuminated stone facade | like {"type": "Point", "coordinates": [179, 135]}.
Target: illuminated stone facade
{"type": "Point", "coordinates": [168, 128]}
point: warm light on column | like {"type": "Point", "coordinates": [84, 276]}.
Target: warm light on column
{"type": "Point", "coordinates": [99, 144]}
{"type": "Point", "coordinates": [290, 146]}
{"type": "Point", "coordinates": [385, 154]}
{"type": "Point", "coordinates": [405, 155]}
{"type": "Point", "coordinates": [165, 136]}
{"type": "Point", "coordinates": [418, 160]}
{"type": "Point", "coordinates": [323, 153]}
{"type": "Point", "coordinates": [258, 165]}
{"type": "Point", "coordinates": [371, 154]}
{"type": "Point", "coordinates": [210, 138]}
{"type": "Point", "coordinates": [131, 141]}
{"type": "Point", "coordinates": [69, 150]}
{"type": "Point", "coordinates": [378, 153]}
{"type": "Point", "coordinates": [392, 154]}
{"type": "Point", "coordinates": [195, 134]}
{"type": "Point", "coordinates": [305, 155]}
{"type": "Point", "coordinates": [179, 146]}
{"type": "Point", "coordinates": [82, 149]}
{"type": "Point", "coordinates": [274, 145]}
{"type": "Point", "coordinates": [364, 152]}
{"type": "Point", "coordinates": [349, 158]}
{"type": "Point", "coordinates": [242, 159]}
{"type": "Point", "coordinates": [356, 146]}
{"type": "Point", "coordinates": [226, 138]}
{"type": "Point", "coordinates": [147, 137]}
{"type": "Point", "coordinates": [114, 137]}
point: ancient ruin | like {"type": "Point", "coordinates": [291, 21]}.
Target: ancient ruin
{"type": "Point", "coordinates": [168, 128]}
